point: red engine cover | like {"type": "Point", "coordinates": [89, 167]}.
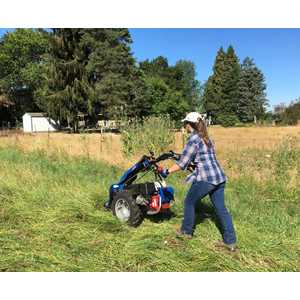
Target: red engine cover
{"type": "Point", "coordinates": [165, 206]}
{"type": "Point", "coordinates": [154, 204]}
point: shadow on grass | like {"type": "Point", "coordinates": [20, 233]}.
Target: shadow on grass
{"type": "Point", "coordinates": [161, 217]}
{"type": "Point", "coordinates": [206, 211]}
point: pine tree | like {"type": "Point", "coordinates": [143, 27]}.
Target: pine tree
{"type": "Point", "coordinates": [213, 97]}
{"type": "Point", "coordinates": [67, 90]}
{"type": "Point", "coordinates": [252, 97]}
{"type": "Point", "coordinates": [231, 79]}
{"type": "Point", "coordinates": [92, 71]}
{"type": "Point", "coordinates": [221, 89]}
{"type": "Point", "coordinates": [117, 81]}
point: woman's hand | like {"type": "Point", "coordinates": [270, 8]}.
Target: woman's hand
{"type": "Point", "coordinates": [163, 172]}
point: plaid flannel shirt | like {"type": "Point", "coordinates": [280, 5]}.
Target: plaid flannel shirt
{"type": "Point", "coordinates": [207, 167]}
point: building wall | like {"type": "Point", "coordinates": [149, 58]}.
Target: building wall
{"type": "Point", "coordinates": [27, 123]}
{"type": "Point", "coordinates": [36, 124]}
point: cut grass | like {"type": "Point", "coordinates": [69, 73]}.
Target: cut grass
{"type": "Point", "coordinates": [52, 219]}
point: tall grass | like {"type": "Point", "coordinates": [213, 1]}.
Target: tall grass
{"type": "Point", "coordinates": [150, 134]}
{"type": "Point", "coordinates": [52, 218]}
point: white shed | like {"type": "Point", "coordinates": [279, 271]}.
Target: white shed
{"type": "Point", "coordinates": [38, 122]}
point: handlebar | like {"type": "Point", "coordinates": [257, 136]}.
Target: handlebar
{"type": "Point", "coordinates": [170, 155]}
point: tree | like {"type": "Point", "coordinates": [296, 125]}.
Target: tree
{"type": "Point", "coordinates": [158, 67]}
{"type": "Point", "coordinates": [164, 100]}
{"type": "Point", "coordinates": [291, 115]}
{"type": "Point", "coordinates": [156, 92]}
{"type": "Point", "coordinates": [21, 67]}
{"type": "Point", "coordinates": [279, 108]}
{"type": "Point", "coordinates": [118, 83]}
{"type": "Point", "coordinates": [233, 91]}
{"type": "Point", "coordinates": [92, 71]}
{"type": "Point", "coordinates": [200, 105]}
{"type": "Point", "coordinates": [66, 90]}
{"type": "Point", "coordinates": [189, 85]}
{"type": "Point", "coordinates": [231, 79]}
{"type": "Point", "coordinates": [251, 88]}
{"type": "Point", "coordinates": [213, 91]}
{"type": "Point", "coordinates": [171, 90]}
{"type": "Point", "coordinates": [5, 109]}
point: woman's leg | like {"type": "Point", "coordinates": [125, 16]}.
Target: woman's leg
{"type": "Point", "coordinates": [197, 191]}
{"type": "Point", "coordinates": [217, 199]}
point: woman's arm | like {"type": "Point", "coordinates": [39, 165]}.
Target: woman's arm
{"type": "Point", "coordinates": [185, 158]}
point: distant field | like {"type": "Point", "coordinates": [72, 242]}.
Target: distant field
{"type": "Point", "coordinates": [52, 219]}
{"type": "Point", "coordinates": [108, 147]}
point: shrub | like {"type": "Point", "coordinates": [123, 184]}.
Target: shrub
{"type": "Point", "coordinates": [227, 120]}
{"type": "Point", "coordinates": [285, 157]}
{"type": "Point", "coordinates": [149, 134]}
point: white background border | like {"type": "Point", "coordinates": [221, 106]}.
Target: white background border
{"type": "Point", "coordinates": [153, 14]}
{"type": "Point", "coordinates": [149, 286]}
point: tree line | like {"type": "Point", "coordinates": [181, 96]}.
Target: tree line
{"type": "Point", "coordinates": [287, 114]}
{"type": "Point", "coordinates": [235, 92]}
{"type": "Point", "coordinates": [64, 72]}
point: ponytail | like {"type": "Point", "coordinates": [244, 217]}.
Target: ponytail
{"type": "Point", "coordinates": [201, 129]}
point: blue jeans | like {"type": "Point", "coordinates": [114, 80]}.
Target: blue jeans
{"type": "Point", "coordinates": [199, 190]}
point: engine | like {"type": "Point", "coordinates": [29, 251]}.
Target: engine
{"type": "Point", "coordinates": [155, 195]}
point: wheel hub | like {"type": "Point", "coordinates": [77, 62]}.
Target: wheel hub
{"type": "Point", "coordinates": [122, 210]}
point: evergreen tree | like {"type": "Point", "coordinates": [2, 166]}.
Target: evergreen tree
{"type": "Point", "coordinates": [67, 90]}
{"type": "Point", "coordinates": [158, 67]}
{"type": "Point", "coordinates": [231, 80]}
{"type": "Point", "coordinates": [213, 97]}
{"type": "Point", "coordinates": [92, 71]}
{"type": "Point", "coordinates": [117, 81]}
{"type": "Point", "coordinates": [233, 91]}
{"type": "Point", "coordinates": [252, 97]}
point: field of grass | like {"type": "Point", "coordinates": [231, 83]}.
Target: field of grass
{"type": "Point", "coordinates": [100, 147]}
{"type": "Point", "coordinates": [52, 218]}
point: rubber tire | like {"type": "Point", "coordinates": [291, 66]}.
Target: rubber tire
{"type": "Point", "coordinates": [136, 214]}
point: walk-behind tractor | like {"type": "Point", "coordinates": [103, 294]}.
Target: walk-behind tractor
{"type": "Point", "coordinates": [130, 201]}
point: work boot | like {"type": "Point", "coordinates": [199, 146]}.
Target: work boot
{"type": "Point", "coordinates": [181, 234]}
{"type": "Point", "coordinates": [228, 247]}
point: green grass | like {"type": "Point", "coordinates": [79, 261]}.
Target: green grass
{"type": "Point", "coordinates": [51, 219]}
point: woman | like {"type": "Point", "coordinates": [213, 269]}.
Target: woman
{"type": "Point", "coordinates": [208, 178]}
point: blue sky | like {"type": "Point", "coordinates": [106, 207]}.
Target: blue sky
{"type": "Point", "coordinates": [275, 51]}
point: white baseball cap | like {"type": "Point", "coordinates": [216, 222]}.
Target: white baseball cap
{"type": "Point", "coordinates": [192, 117]}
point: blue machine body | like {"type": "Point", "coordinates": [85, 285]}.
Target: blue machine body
{"type": "Point", "coordinates": [166, 193]}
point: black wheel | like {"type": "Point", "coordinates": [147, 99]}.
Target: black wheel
{"type": "Point", "coordinates": [126, 210]}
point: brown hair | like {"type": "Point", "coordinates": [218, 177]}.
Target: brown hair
{"type": "Point", "coordinates": [201, 129]}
